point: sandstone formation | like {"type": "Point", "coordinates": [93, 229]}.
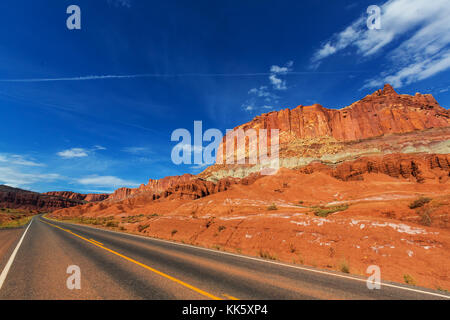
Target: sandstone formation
{"type": "Point", "coordinates": [92, 197]}
{"type": "Point", "coordinates": [15, 198]}
{"type": "Point", "coordinates": [383, 112]}
{"type": "Point", "coordinates": [153, 187]}
{"type": "Point", "coordinates": [383, 122]}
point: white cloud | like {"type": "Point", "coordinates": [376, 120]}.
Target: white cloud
{"type": "Point", "coordinates": [120, 3]}
{"type": "Point", "coordinates": [106, 181]}
{"type": "Point", "coordinates": [73, 153]}
{"type": "Point", "coordinates": [19, 160]}
{"type": "Point", "coordinates": [248, 107]}
{"type": "Point", "coordinates": [79, 152]}
{"type": "Point", "coordinates": [421, 28]}
{"type": "Point", "coordinates": [15, 178]}
{"type": "Point", "coordinates": [263, 92]}
{"type": "Point", "coordinates": [277, 83]}
{"type": "Point", "coordinates": [136, 150]}
{"type": "Point", "coordinates": [413, 72]}
{"type": "Point", "coordinates": [276, 71]}
{"type": "Point", "coordinates": [262, 96]}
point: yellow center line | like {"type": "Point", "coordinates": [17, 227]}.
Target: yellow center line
{"type": "Point", "coordinates": [206, 294]}
{"type": "Point", "coordinates": [96, 242]}
{"type": "Point", "coordinates": [229, 297]}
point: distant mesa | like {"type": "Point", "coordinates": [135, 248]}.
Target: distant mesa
{"type": "Point", "coordinates": [15, 198]}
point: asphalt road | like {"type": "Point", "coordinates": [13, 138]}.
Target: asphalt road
{"type": "Point", "coordinates": [122, 266]}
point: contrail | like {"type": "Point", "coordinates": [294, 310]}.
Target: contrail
{"type": "Point", "coordinates": [160, 75]}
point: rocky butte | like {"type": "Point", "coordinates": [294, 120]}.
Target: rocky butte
{"type": "Point", "coordinates": [381, 123]}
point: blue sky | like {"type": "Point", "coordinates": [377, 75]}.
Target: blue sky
{"type": "Point", "coordinates": [92, 110]}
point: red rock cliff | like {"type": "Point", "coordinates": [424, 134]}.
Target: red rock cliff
{"type": "Point", "coordinates": [382, 112]}
{"type": "Point", "coordinates": [91, 197]}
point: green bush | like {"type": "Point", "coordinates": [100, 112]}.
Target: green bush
{"type": "Point", "coordinates": [409, 279]}
{"type": "Point", "coordinates": [143, 227]}
{"type": "Point", "coordinates": [113, 224]}
{"type": "Point", "coordinates": [266, 255]}
{"type": "Point", "coordinates": [325, 211]}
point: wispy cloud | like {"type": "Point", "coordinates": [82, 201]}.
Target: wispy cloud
{"type": "Point", "coordinates": [160, 75]}
{"type": "Point", "coordinates": [106, 181]}
{"type": "Point", "coordinates": [136, 150]}
{"type": "Point", "coordinates": [419, 29]}
{"type": "Point", "coordinates": [120, 3]}
{"type": "Point", "coordinates": [79, 152]}
{"type": "Point", "coordinates": [19, 160]}
{"type": "Point", "coordinates": [263, 92]}
{"type": "Point", "coordinates": [73, 153]}
{"type": "Point", "coordinates": [16, 178]}
{"type": "Point", "coordinates": [97, 147]}
{"type": "Point", "coordinates": [263, 97]}
{"type": "Point", "coordinates": [276, 73]}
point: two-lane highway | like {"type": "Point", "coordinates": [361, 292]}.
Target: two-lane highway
{"type": "Point", "coordinates": [116, 265]}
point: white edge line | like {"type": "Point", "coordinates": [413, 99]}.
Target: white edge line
{"type": "Point", "coordinates": [11, 259]}
{"type": "Point", "coordinates": [260, 260]}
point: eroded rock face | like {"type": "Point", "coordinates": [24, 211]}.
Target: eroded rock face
{"type": "Point", "coordinates": [122, 193]}
{"type": "Point", "coordinates": [21, 199]}
{"type": "Point", "coordinates": [383, 122]}
{"type": "Point", "coordinates": [15, 198]}
{"type": "Point", "coordinates": [383, 112]}
{"type": "Point", "coordinates": [415, 167]}
{"type": "Point", "coordinates": [153, 187]}
{"type": "Point", "coordinates": [78, 196]}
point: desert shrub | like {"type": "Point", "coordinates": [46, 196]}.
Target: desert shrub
{"type": "Point", "coordinates": [173, 232]}
{"type": "Point", "coordinates": [143, 227]}
{"type": "Point", "coordinates": [113, 224]}
{"type": "Point", "coordinates": [221, 228]}
{"type": "Point", "coordinates": [325, 211]}
{"type": "Point", "coordinates": [266, 255]}
{"type": "Point", "coordinates": [409, 279]}
{"type": "Point", "coordinates": [273, 206]}
{"type": "Point", "coordinates": [419, 202]}
{"type": "Point", "coordinates": [344, 267]}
